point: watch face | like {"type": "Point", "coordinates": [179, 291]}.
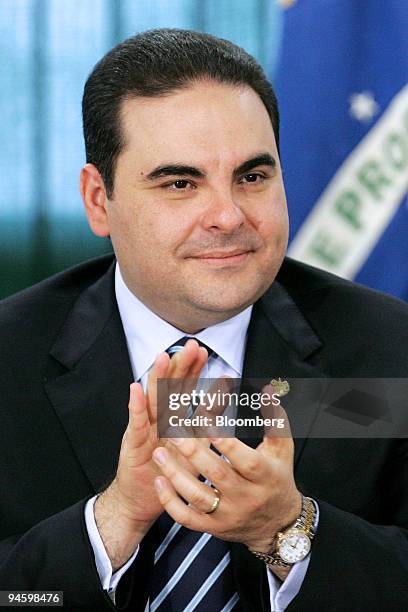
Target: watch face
{"type": "Point", "coordinates": [294, 546]}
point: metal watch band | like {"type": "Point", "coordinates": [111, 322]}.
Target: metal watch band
{"type": "Point", "coordinates": [305, 522]}
{"type": "Point", "coordinates": [270, 559]}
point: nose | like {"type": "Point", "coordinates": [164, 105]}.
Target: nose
{"type": "Point", "coordinates": [223, 213]}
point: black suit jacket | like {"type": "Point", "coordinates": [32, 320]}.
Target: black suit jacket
{"type": "Point", "coordinates": [64, 381]}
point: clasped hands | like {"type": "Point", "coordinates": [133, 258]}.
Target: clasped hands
{"type": "Point", "coordinates": [258, 494]}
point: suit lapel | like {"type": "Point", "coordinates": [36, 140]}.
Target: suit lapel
{"type": "Point", "coordinates": [91, 397]}
{"type": "Point", "coordinates": [280, 342]}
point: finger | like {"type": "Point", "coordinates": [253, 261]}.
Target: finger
{"type": "Point", "coordinates": [138, 416]}
{"type": "Point", "coordinates": [193, 363]}
{"type": "Point", "coordinates": [179, 457]}
{"type": "Point", "coordinates": [199, 363]}
{"type": "Point", "coordinates": [219, 391]}
{"type": "Point", "coordinates": [187, 486]}
{"type": "Point", "coordinates": [135, 443]}
{"type": "Point", "coordinates": [278, 437]}
{"type": "Point", "coordinates": [277, 414]}
{"type": "Point", "coordinates": [179, 511]}
{"type": "Point", "coordinates": [182, 361]}
{"type": "Point", "coordinates": [165, 370]}
{"type": "Point", "coordinates": [193, 375]}
{"type": "Point", "coordinates": [248, 462]}
{"type": "Point", "coordinates": [159, 370]}
{"type": "Point", "coordinates": [185, 368]}
{"type": "Point", "coordinates": [218, 471]}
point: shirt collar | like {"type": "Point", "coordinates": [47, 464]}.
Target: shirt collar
{"type": "Point", "coordinates": [147, 334]}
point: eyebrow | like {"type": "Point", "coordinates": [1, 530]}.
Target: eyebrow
{"type": "Point", "coordinates": [174, 170]}
{"type": "Point", "coordinates": [265, 159]}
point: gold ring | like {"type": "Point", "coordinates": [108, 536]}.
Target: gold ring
{"type": "Point", "coordinates": [215, 503]}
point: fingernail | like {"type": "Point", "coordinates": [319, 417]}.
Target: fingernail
{"type": "Point", "coordinates": [133, 392]}
{"type": "Point", "coordinates": [159, 456]}
{"type": "Point", "coordinates": [215, 440]}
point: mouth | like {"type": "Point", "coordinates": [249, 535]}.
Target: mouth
{"type": "Point", "coordinates": [223, 258]}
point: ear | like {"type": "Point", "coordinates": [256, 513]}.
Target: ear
{"type": "Point", "coordinates": [95, 200]}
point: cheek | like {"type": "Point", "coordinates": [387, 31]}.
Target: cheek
{"type": "Point", "coordinates": [168, 226]}
{"type": "Point", "coordinates": [151, 235]}
{"type": "Point", "coordinates": [129, 223]}
{"type": "Point", "coordinates": [272, 224]}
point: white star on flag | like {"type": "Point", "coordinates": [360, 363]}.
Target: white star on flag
{"type": "Point", "coordinates": [363, 106]}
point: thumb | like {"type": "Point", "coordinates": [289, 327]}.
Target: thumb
{"type": "Point", "coordinates": [136, 438]}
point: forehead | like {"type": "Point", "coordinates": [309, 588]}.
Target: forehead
{"type": "Point", "coordinates": [206, 122]}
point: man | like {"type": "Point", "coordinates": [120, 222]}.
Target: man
{"type": "Point", "coordinates": [183, 174]}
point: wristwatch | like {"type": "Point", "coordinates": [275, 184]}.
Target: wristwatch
{"type": "Point", "coordinates": [294, 543]}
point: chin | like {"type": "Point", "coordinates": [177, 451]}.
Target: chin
{"type": "Point", "coordinates": [229, 295]}
{"type": "Point", "coordinates": [228, 303]}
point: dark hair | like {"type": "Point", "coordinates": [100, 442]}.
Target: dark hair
{"type": "Point", "coordinates": [155, 63]}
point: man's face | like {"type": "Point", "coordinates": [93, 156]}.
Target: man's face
{"type": "Point", "coordinates": [198, 217]}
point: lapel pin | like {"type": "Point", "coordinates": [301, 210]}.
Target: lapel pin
{"type": "Point", "coordinates": [280, 387]}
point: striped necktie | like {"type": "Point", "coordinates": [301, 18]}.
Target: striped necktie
{"type": "Point", "coordinates": [192, 570]}
{"type": "Point", "coordinates": [177, 346]}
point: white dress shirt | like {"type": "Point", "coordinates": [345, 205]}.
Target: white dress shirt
{"type": "Point", "coordinates": [147, 335]}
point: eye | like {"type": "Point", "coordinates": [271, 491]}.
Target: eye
{"type": "Point", "coordinates": [180, 185]}
{"type": "Point", "coordinates": [253, 177]}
